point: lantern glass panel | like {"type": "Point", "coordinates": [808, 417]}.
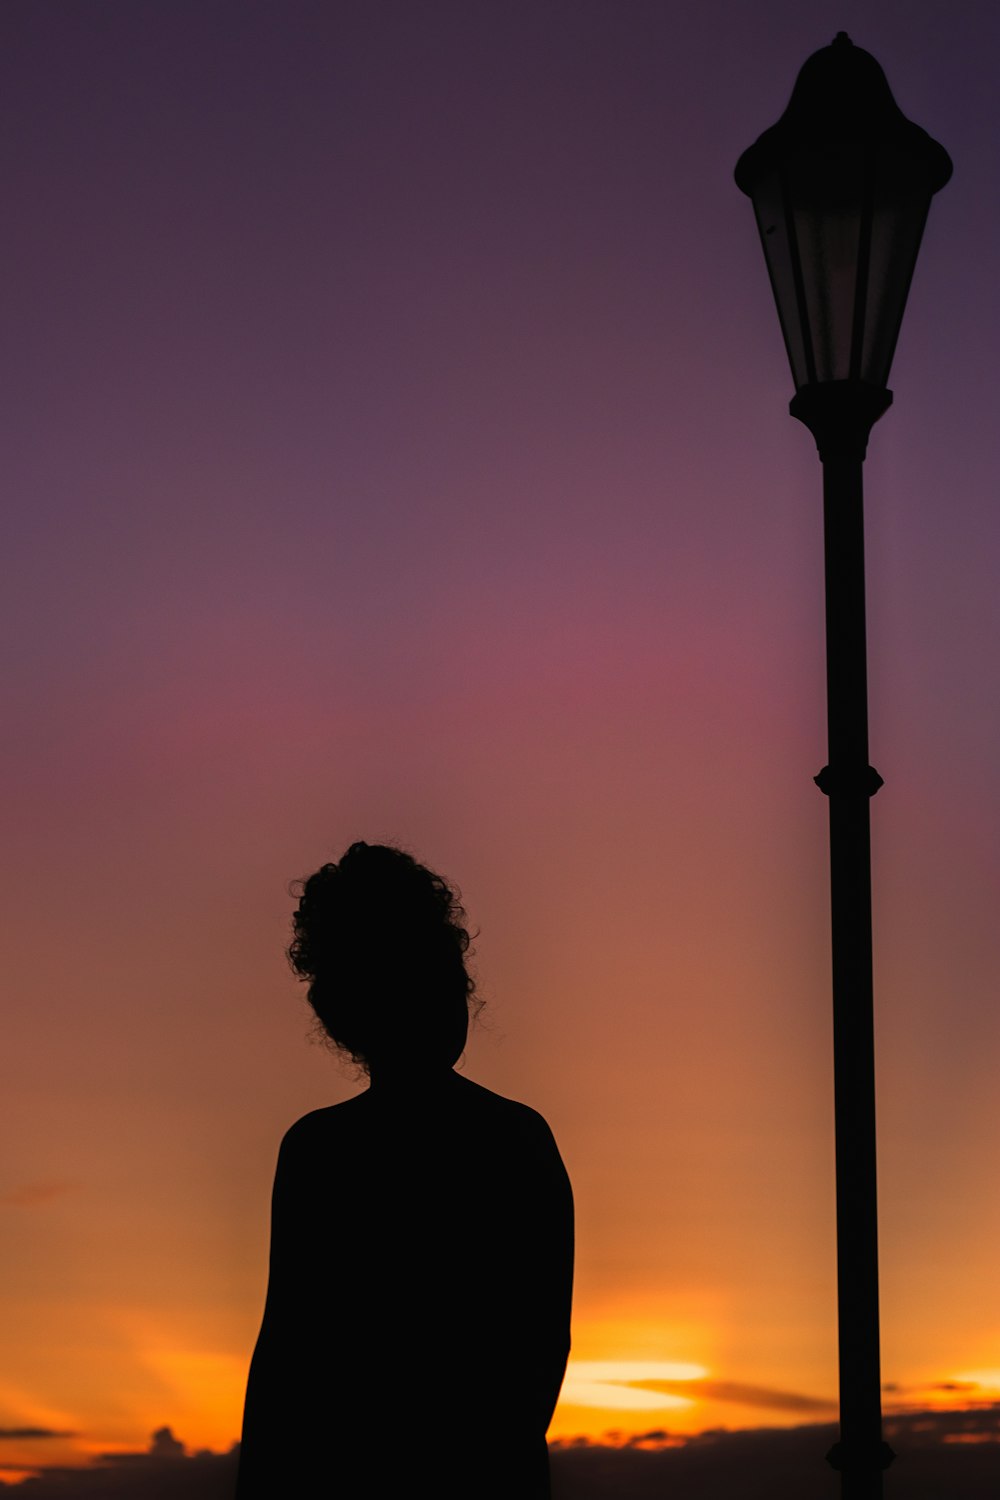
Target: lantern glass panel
{"type": "Point", "coordinates": [902, 200]}
{"type": "Point", "coordinates": [769, 206]}
{"type": "Point", "coordinates": [829, 247]}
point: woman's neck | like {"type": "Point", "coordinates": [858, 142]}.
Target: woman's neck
{"type": "Point", "coordinates": [408, 1077]}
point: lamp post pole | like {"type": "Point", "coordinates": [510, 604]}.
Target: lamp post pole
{"type": "Point", "coordinates": [841, 186]}
{"type": "Point", "coordinates": [841, 429]}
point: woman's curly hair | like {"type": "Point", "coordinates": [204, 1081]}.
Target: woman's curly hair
{"type": "Point", "coordinates": [382, 942]}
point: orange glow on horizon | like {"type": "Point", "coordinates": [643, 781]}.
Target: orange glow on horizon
{"type": "Point", "coordinates": [607, 1400]}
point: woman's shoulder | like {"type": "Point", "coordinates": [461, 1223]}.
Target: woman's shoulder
{"type": "Point", "coordinates": [321, 1124]}
{"type": "Point", "coordinates": [475, 1097]}
{"type": "Point", "coordinates": [515, 1128]}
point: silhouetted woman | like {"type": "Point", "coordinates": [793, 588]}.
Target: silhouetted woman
{"type": "Point", "coordinates": [416, 1327]}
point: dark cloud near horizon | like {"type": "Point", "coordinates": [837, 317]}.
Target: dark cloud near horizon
{"type": "Point", "coordinates": [953, 1454]}
{"type": "Point", "coordinates": [11, 1433]}
{"type": "Point", "coordinates": [938, 1454]}
{"type": "Point", "coordinates": [758, 1396]}
{"type": "Point", "coordinates": [165, 1471]}
{"type": "Point", "coordinates": [162, 1446]}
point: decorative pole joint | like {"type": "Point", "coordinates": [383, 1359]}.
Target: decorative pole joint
{"type": "Point", "coordinates": [850, 781]}
{"type": "Point", "coordinates": [859, 1457]}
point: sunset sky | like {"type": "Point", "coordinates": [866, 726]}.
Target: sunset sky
{"type": "Point", "coordinates": [396, 445]}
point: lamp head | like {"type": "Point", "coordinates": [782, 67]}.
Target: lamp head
{"type": "Point", "coordinates": [841, 186]}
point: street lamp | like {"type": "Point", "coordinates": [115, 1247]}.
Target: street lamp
{"type": "Point", "coordinates": [841, 186]}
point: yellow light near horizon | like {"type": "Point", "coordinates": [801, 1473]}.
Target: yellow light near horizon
{"type": "Point", "coordinates": [608, 1385]}
{"type": "Point", "coordinates": [988, 1380]}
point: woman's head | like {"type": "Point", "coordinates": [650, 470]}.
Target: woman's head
{"type": "Point", "coordinates": [381, 941]}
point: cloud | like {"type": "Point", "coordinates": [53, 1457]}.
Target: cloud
{"type": "Point", "coordinates": [31, 1193]}
{"type": "Point", "coordinates": [980, 1423]}
{"type": "Point", "coordinates": [162, 1446]}
{"type": "Point", "coordinates": [165, 1471]}
{"type": "Point", "coordinates": [658, 1385]}
{"type": "Point", "coordinates": [32, 1432]}
{"type": "Point", "coordinates": [938, 1453]}
{"type": "Point", "coordinates": [758, 1396]}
